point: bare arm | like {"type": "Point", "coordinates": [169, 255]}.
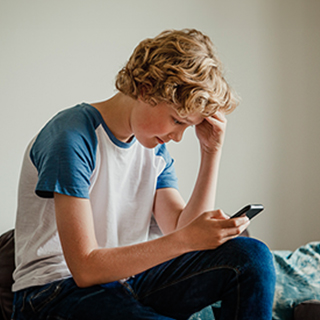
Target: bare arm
{"type": "Point", "coordinates": [169, 209]}
{"type": "Point", "coordinates": [92, 265]}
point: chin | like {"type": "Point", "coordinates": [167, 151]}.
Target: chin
{"type": "Point", "coordinates": [149, 144]}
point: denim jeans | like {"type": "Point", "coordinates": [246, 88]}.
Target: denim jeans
{"type": "Point", "coordinates": [239, 273]}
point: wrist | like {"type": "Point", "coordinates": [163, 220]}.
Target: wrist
{"type": "Point", "coordinates": [211, 153]}
{"type": "Point", "coordinates": [181, 240]}
{"type": "Point", "coordinates": [211, 148]}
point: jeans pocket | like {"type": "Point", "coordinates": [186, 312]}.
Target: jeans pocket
{"type": "Point", "coordinates": [46, 294]}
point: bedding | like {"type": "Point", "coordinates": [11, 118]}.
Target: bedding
{"type": "Point", "coordinates": [298, 279]}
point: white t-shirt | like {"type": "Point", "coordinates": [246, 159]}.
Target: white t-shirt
{"type": "Point", "coordinates": [76, 154]}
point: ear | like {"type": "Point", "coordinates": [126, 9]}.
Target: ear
{"type": "Point", "coordinates": [142, 91]}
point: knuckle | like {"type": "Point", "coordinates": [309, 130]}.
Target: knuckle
{"type": "Point", "coordinates": [207, 214]}
{"type": "Point", "coordinates": [221, 241]}
{"type": "Point", "coordinates": [220, 212]}
{"type": "Point", "coordinates": [234, 223]}
{"type": "Point", "coordinates": [238, 230]}
{"type": "Point", "coordinates": [218, 242]}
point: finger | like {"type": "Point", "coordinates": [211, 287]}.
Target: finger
{"type": "Point", "coordinates": [220, 116]}
{"type": "Point", "coordinates": [236, 222]}
{"type": "Point", "coordinates": [235, 231]}
{"type": "Point", "coordinates": [217, 214]}
{"type": "Point", "coordinates": [216, 122]}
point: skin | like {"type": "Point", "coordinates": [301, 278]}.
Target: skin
{"type": "Point", "coordinates": [186, 227]}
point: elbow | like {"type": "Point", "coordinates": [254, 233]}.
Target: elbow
{"type": "Point", "coordinates": [88, 271]}
{"type": "Point", "coordinates": [82, 279]}
{"type": "Point", "coordinates": [87, 276]}
{"type": "Point", "coordinates": [85, 280]}
{"type": "Point", "coordinates": [83, 274]}
{"type": "Point", "coordinates": [81, 283]}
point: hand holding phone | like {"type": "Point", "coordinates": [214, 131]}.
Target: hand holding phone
{"type": "Point", "coordinates": [250, 211]}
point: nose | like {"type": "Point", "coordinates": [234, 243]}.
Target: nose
{"type": "Point", "coordinates": [176, 135]}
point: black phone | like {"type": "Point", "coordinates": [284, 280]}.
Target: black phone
{"type": "Point", "coordinates": [250, 211]}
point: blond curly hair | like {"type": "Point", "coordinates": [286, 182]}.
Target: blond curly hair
{"type": "Point", "coordinates": [180, 68]}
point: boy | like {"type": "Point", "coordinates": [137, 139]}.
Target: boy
{"type": "Point", "coordinates": [101, 172]}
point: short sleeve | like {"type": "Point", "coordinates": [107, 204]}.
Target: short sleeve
{"type": "Point", "coordinates": [167, 177]}
{"type": "Point", "coordinates": [64, 154]}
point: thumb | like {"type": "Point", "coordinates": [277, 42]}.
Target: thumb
{"type": "Point", "coordinates": [219, 214]}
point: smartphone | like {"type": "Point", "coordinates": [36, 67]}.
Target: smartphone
{"type": "Point", "coordinates": [250, 211]}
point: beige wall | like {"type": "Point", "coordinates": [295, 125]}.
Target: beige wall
{"type": "Point", "coordinates": [58, 53]}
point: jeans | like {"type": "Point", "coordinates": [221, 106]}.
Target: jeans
{"type": "Point", "coordinates": [239, 273]}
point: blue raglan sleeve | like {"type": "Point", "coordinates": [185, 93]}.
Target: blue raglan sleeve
{"type": "Point", "coordinates": [64, 155]}
{"type": "Point", "coordinates": [168, 177]}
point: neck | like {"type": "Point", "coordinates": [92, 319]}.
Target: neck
{"type": "Point", "coordinates": [116, 112]}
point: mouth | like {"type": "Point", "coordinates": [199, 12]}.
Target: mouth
{"type": "Point", "coordinates": [160, 141]}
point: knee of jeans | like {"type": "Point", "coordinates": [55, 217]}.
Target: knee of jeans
{"type": "Point", "coordinates": [257, 257]}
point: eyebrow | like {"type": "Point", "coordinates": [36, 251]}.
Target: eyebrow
{"type": "Point", "coordinates": [190, 122]}
{"type": "Point", "coordinates": [184, 120]}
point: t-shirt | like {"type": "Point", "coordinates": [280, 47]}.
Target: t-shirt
{"type": "Point", "coordinates": [76, 154]}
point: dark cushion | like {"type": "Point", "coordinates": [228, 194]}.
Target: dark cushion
{"type": "Point", "coordinates": [307, 310]}
{"type": "Point", "coordinates": [6, 269]}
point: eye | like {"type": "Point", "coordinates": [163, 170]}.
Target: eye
{"type": "Point", "coordinates": [177, 121]}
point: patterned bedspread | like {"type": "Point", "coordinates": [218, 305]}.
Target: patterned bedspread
{"type": "Point", "coordinates": [298, 279]}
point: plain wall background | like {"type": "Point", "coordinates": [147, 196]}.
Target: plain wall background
{"type": "Point", "coordinates": [55, 54]}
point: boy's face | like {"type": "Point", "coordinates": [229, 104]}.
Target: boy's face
{"type": "Point", "coordinates": [153, 125]}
